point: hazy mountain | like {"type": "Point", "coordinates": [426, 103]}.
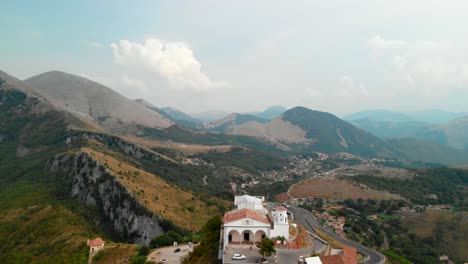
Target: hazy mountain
{"type": "Point", "coordinates": [209, 116]}
{"type": "Point", "coordinates": [227, 123]}
{"type": "Point", "coordinates": [30, 119]}
{"type": "Point", "coordinates": [415, 149]}
{"type": "Point", "coordinates": [390, 129]}
{"type": "Point", "coordinates": [387, 124]}
{"type": "Point", "coordinates": [453, 133]}
{"type": "Point", "coordinates": [379, 115]}
{"type": "Point", "coordinates": [435, 116]}
{"type": "Point", "coordinates": [90, 99]}
{"type": "Point", "coordinates": [271, 112]}
{"type": "Point", "coordinates": [423, 116]}
{"type": "Point", "coordinates": [306, 130]}
{"type": "Point", "coordinates": [176, 114]}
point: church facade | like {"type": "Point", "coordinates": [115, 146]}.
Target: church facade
{"type": "Point", "coordinates": [251, 221]}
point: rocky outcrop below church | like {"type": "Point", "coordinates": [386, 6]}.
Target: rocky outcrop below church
{"type": "Point", "coordinates": [94, 185]}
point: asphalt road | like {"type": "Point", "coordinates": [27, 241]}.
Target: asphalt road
{"type": "Point", "coordinates": [306, 219]}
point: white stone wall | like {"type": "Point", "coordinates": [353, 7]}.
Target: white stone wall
{"type": "Point", "coordinates": [243, 225]}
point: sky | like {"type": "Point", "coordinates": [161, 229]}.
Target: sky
{"type": "Point", "coordinates": [240, 56]}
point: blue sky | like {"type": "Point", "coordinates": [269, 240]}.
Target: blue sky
{"type": "Point", "coordinates": [337, 56]}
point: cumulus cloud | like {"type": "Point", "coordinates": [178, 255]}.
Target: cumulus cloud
{"type": "Point", "coordinates": [173, 61]}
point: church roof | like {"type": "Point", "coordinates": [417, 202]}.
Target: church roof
{"type": "Point", "coordinates": [244, 213]}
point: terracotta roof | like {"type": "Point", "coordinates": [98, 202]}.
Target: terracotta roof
{"type": "Point", "coordinates": [244, 213]}
{"type": "Point", "coordinates": [281, 208]}
{"type": "Point", "coordinates": [334, 259]}
{"type": "Point", "coordinates": [349, 256]}
{"type": "Point", "coordinates": [96, 242]}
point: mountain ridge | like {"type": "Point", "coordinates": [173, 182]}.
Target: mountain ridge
{"type": "Point", "coordinates": [86, 98]}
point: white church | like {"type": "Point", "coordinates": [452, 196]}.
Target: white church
{"type": "Point", "coordinates": [251, 221]}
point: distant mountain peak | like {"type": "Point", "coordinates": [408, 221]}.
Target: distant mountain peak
{"type": "Point", "coordinates": [79, 95]}
{"type": "Point", "coordinates": [271, 112]}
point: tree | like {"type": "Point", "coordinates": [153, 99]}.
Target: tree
{"type": "Point", "coordinates": [266, 247]}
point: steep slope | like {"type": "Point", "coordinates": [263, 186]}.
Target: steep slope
{"type": "Point", "coordinates": [90, 99]}
{"type": "Point", "coordinates": [226, 124]}
{"type": "Point", "coordinates": [305, 130]}
{"type": "Point", "coordinates": [334, 135]}
{"type": "Point", "coordinates": [58, 189]}
{"type": "Point", "coordinates": [37, 225]}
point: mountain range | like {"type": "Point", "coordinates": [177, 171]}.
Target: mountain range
{"type": "Point", "coordinates": [444, 128]}
{"type": "Point", "coordinates": [78, 160]}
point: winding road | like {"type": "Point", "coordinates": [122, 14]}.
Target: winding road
{"type": "Point", "coordinates": [306, 219]}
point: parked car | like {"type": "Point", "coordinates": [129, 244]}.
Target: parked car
{"type": "Point", "coordinates": [301, 259]}
{"type": "Point", "coordinates": [177, 250]}
{"type": "Point", "coordinates": [238, 256]}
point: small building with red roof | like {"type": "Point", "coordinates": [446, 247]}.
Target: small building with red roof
{"type": "Point", "coordinates": [95, 244]}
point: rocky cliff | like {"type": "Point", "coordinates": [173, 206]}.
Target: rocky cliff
{"type": "Point", "coordinates": [91, 183]}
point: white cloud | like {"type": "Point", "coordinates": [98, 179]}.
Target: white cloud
{"type": "Point", "coordinates": [173, 61]}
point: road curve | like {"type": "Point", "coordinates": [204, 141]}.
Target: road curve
{"type": "Point", "coordinates": [306, 219]}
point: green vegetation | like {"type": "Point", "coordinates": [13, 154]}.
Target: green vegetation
{"type": "Point", "coordinates": [185, 176]}
{"type": "Point", "coordinates": [449, 231]}
{"type": "Point", "coordinates": [391, 231]}
{"type": "Point", "coordinates": [330, 132]}
{"type": "Point", "coordinates": [414, 149]}
{"type": "Point", "coordinates": [207, 250]}
{"type": "Point", "coordinates": [394, 258]}
{"type": "Point", "coordinates": [141, 257]}
{"type": "Point", "coordinates": [183, 135]}
{"type": "Point", "coordinates": [250, 160]}
{"type": "Point", "coordinates": [266, 247]}
{"type": "Point", "coordinates": [270, 190]}
{"type": "Point", "coordinates": [449, 185]}
{"type": "Point", "coordinates": [166, 239]}
{"type": "Point", "coordinates": [36, 225]}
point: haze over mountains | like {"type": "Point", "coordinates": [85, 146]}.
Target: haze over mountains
{"type": "Point", "coordinates": [140, 171]}
{"type": "Point", "coordinates": [436, 126]}
{"type": "Point", "coordinates": [299, 129]}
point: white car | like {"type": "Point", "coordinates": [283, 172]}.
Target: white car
{"type": "Point", "coordinates": [238, 256]}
